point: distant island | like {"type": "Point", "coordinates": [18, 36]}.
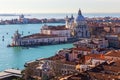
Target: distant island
{"type": "Point", "coordinates": [12, 14]}
{"type": "Point", "coordinates": [23, 20]}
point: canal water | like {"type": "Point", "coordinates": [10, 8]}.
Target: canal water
{"type": "Point", "coordinates": [15, 57]}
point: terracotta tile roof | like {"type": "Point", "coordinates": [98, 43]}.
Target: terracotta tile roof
{"type": "Point", "coordinates": [96, 56]}
{"type": "Point", "coordinates": [78, 77]}
{"type": "Point", "coordinates": [117, 63]}
{"type": "Point", "coordinates": [101, 76]}
{"type": "Point", "coordinates": [56, 57]}
{"type": "Point", "coordinates": [112, 69]}
{"type": "Point", "coordinates": [69, 62]}
{"type": "Point", "coordinates": [56, 28]}
{"type": "Point", "coordinates": [113, 53]}
{"type": "Point", "coordinates": [82, 49]}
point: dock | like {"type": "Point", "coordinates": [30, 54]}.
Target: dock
{"type": "Point", "coordinates": [10, 73]}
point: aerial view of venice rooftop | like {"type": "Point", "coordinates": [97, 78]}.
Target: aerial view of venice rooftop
{"type": "Point", "coordinates": [59, 40]}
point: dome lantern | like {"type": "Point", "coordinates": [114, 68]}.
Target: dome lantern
{"type": "Point", "coordinates": [79, 12]}
{"type": "Point", "coordinates": [79, 18]}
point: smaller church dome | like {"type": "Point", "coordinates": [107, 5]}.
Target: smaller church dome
{"type": "Point", "coordinates": [80, 17]}
{"type": "Point", "coordinates": [21, 16]}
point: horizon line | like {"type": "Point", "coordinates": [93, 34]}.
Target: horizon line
{"type": "Point", "coordinates": [64, 13]}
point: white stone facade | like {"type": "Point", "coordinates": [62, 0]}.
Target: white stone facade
{"type": "Point", "coordinates": [43, 40]}
{"type": "Point", "coordinates": [78, 26]}
{"type": "Point", "coordinates": [57, 32]}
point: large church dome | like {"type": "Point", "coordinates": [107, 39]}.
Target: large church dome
{"type": "Point", "coordinates": [80, 17]}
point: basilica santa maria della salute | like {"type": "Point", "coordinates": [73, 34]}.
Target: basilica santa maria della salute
{"type": "Point", "coordinates": [78, 26]}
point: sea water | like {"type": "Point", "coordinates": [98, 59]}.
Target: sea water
{"type": "Point", "coordinates": [16, 57]}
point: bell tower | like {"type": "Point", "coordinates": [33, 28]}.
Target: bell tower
{"type": "Point", "coordinates": [67, 22]}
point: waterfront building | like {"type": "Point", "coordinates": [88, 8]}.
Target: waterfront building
{"type": "Point", "coordinates": [22, 19]}
{"type": "Point", "coordinates": [53, 30]}
{"type": "Point", "coordinates": [37, 39]}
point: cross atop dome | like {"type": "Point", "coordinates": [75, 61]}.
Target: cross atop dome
{"type": "Point", "coordinates": [79, 12]}
{"type": "Point", "coordinates": [79, 17]}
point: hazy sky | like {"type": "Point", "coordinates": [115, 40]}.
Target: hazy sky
{"type": "Point", "coordinates": [59, 6]}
